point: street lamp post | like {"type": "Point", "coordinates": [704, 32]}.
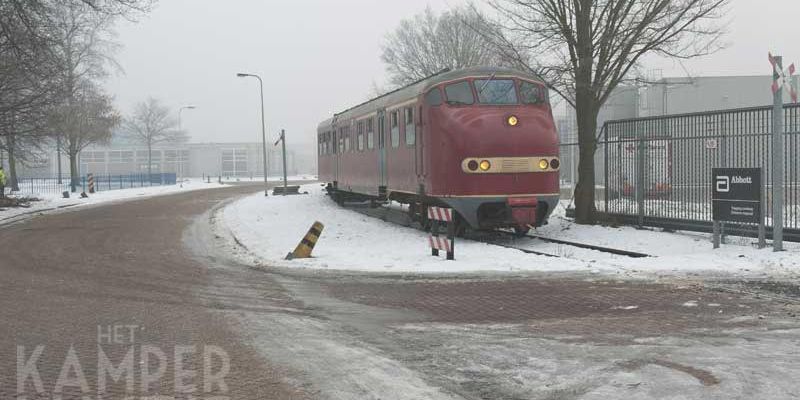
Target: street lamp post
{"type": "Point", "coordinates": [180, 151]}
{"type": "Point", "coordinates": [263, 128]}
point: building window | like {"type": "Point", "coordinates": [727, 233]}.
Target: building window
{"type": "Point", "coordinates": [234, 162]}
{"type": "Point", "coordinates": [93, 156]}
{"type": "Point", "coordinates": [411, 135]}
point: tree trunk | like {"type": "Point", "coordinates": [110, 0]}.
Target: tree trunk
{"type": "Point", "coordinates": [73, 171]}
{"type": "Point", "coordinates": [587, 144]}
{"type": "Point", "coordinates": [13, 182]}
{"type": "Point", "coordinates": [150, 162]}
{"type": "Point", "coordinates": [586, 110]}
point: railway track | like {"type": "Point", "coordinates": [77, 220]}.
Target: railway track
{"type": "Point", "coordinates": [400, 217]}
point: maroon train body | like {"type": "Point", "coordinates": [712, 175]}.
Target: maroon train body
{"type": "Point", "coordinates": [480, 140]}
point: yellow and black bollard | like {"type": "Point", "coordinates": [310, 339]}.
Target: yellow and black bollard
{"type": "Point", "coordinates": [306, 246]}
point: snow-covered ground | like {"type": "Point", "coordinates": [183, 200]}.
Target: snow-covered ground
{"type": "Point", "coordinates": [51, 202]}
{"type": "Point", "coordinates": [271, 227]}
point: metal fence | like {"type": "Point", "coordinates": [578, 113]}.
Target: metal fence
{"type": "Point", "coordinates": [40, 186]}
{"type": "Point", "coordinates": [656, 171]}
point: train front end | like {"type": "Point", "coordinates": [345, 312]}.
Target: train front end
{"type": "Point", "coordinates": [494, 145]}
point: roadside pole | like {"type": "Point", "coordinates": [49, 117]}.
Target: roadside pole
{"type": "Point", "coordinates": [282, 139]}
{"type": "Point", "coordinates": [781, 79]}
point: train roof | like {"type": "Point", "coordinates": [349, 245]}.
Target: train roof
{"type": "Point", "coordinates": [414, 89]}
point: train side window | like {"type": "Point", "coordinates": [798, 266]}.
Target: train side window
{"type": "Point", "coordinates": [360, 137]}
{"type": "Point", "coordinates": [410, 132]}
{"type": "Point", "coordinates": [370, 135]}
{"type": "Point", "coordinates": [395, 129]}
{"type": "Point", "coordinates": [434, 97]}
{"type": "Point", "coordinates": [459, 93]}
{"type": "Point", "coordinates": [347, 146]}
{"type": "Point", "coordinates": [328, 146]}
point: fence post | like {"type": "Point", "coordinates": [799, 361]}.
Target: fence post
{"type": "Point", "coordinates": [777, 161]}
{"type": "Point", "coordinates": [762, 230]}
{"type": "Point", "coordinates": [605, 166]}
{"type": "Point", "coordinates": [640, 181]}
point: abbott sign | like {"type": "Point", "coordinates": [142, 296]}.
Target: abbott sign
{"type": "Point", "coordinates": [736, 194]}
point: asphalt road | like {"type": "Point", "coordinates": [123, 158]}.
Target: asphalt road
{"type": "Point", "coordinates": [151, 302]}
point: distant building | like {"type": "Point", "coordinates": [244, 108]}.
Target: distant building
{"type": "Point", "coordinates": [240, 160]}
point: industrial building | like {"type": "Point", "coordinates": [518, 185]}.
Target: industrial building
{"type": "Point", "coordinates": [234, 160]}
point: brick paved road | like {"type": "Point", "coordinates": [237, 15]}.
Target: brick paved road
{"type": "Point", "coordinates": [65, 275]}
{"type": "Point", "coordinates": [156, 265]}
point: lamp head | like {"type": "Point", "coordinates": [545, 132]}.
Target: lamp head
{"type": "Point", "coordinates": [242, 74]}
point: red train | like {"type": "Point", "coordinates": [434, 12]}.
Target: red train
{"type": "Point", "coordinates": [479, 140]}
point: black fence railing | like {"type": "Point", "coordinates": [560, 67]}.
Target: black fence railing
{"type": "Point", "coordinates": [657, 171]}
{"type": "Point", "coordinates": [39, 186]}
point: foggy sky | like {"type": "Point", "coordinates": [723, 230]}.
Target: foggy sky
{"type": "Point", "coordinates": [320, 56]}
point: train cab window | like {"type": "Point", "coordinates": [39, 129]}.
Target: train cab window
{"type": "Point", "coordinates": [370, 135]}
{"type": "Point", "coordinates": [531, 93]}
{"type": "Point", "coordinates": [360, 136]}
{"type": "Point", "coordinates": [459, 93]}
{"type": "Point", "coordinates": [395, 125]}
{"type": "Point", "coordinates": [434, 97]}
{"type": "Point", "coordinates": [411, 135]}
{"type": "Point", "coordinates": [496, 91]}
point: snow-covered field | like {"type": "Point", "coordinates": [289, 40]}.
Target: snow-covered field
{"type": "Point", "coordinates": [271, 227]}
{"type": "Point", "coordinates": [51, 202]}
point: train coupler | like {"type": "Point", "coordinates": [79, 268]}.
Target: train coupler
{"type": "Point", "coordinates": [523, 210]}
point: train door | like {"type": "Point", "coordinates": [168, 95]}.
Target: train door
{"type": "Point", "coordinates": [382, 171]}
{"type": "Point", "coordinates": [419, 150]}
{"type": "Point", "coordinates": [336, 153]}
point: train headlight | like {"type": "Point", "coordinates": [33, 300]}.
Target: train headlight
{"type": "Point", "coordinates": [543, 164]}
{"type": "Point", "coordinates": [485, 165]}
{"type": "Point", "coordinates": [513, 120]}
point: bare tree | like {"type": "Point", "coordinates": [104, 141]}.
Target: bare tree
{"type": "Point", "coordinates": [428, 43]}
{"type": "Point", "coordinates": [45, 47]}
{"type": "Point", "coordinates": [150, 124]}
{"type": "Point", "coordinates": [586, 48]}
{"type": "Point", "coordinates": [88, 118]}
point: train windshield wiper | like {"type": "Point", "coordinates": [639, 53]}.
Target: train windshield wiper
{"type": "Point", "coordinates": [491, 77]}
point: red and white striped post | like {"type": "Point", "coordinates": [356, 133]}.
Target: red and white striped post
{"type": "Point", "coordinates": [439, 215]}
{"type": "Point", "coordinates": [90, 178]}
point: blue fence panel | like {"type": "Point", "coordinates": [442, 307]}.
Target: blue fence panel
{"type": "Point", "coordinates": [102, 183]}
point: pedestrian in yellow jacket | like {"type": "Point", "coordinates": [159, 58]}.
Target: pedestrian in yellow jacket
{"type": "Point", "coordinates": [2, 182]}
